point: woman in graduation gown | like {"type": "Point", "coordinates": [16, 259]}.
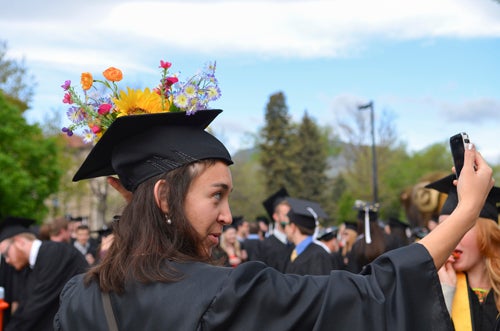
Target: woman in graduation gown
{"type": "Point", "coordinates": [157, 274]}
{"type": "Point", "coordinates": [471, 276]}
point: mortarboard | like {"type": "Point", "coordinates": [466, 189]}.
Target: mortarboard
{"type": "Point", "coordinates": [272, 201]}
{"type": "Point", "coordinates": [138, 147]}
{"type": "Point", "coordinates": [368, 212]}
{"type": "Point", "coordinates": [445, 185]}
{"type": "Point", "coordinates": [305, 213]}
{"type": "Point", "coordinates": [12, 226]}
{"type": "Point", "coordinates": [327, 234]}
{"type": "Point", "coordinates": [237, 221]}
{"type": "Point", "coordinates": [262, 218]}
{"type": "Point", "coordinates": [396, 222]}
{"type": "Point", "coordinates": [351, 225]}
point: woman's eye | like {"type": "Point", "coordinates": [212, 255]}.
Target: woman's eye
{"type": "Point", "coordinates": [218, 195]}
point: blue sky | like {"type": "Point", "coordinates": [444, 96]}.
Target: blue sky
{"type": "Point", "coordinates": [433, 65]}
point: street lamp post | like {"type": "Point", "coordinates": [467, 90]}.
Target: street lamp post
{"type": "Point", "coordinates": [374, 155]}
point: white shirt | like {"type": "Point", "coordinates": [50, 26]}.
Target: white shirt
{"type": "Point", "coordinates": [35, 247]}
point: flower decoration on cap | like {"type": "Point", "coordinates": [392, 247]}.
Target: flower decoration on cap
{"type": "Point", "coordinates": [99, 107]}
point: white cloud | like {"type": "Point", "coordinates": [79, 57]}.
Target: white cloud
{"type": "Point", "coordinates": [307, 29]}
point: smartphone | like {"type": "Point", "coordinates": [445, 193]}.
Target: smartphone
{"type": "Point", "coordinates": [457, 146]}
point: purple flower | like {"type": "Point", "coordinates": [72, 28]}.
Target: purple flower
{"type": "Point", "coordinates": [66, 85]}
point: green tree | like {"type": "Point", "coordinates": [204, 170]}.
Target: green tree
{"type": "Point", "coordinates": [276, 144]}
{"type": "Point", "coordinates": [311, 157]}
{"type": "Point", "coordinates": [29, 162]}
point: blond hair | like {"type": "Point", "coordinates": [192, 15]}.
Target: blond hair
{"type": "Point", "coordinates": [489, 245]}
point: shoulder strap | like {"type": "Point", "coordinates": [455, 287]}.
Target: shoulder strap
{"type": "Point", "coordinates": [108, 311]}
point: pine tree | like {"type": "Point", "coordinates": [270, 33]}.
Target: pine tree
{"type": "Point", "coordinates": [275, 144]}
{"type": "Point", "coordinates": [311, 160]}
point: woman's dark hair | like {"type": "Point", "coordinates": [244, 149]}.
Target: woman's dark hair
{"type": "Point", "coordinates": [143, 240]}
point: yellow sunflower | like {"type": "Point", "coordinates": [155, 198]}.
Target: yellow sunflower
{"type": "Point", "coordinates": [139, 102]}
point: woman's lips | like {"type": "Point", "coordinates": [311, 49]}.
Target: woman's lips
{"type": "Point", "coordinates": [456, 254]}
{"type": "Point", "coordinates": [214, 238]}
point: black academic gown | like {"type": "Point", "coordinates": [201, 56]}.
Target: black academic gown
{"type": "Point", "coordinates": [275, 253]}
{"type": "Point", "coordinates": [484, 316]}
{"type": "Point", "coordinates": [55, 264]}
{"type": "Point", "coordinates": [253, 247]}
{"type": "Point", "coordinates": [314, 260]}
{"type": "Point", "coordinates": [399, 291]}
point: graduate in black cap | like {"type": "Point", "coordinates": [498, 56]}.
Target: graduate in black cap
{"type": "Point", "coordinates": [471, 276]}
{"type": "Point", "coordinates": [328, 238]}
{"type": "Point", "coordinates": [276, 248]}
{"type": "Point", "coordinates": [48, 266]}
{"type": "Point", "coordinates": [158, 273]}
{"type": "Point", "coordinates": [348, 235]}
{"type": "Point", "coordinates": [307, 258]}
{"type": "Point", "coordinates": [398, 231]}
{"type": "Point", "coordinates": [372, 240]}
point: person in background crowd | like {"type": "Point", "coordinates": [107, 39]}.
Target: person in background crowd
{"type": "Point", "coordinates": [10, 279]}
{"type": "Point", "coordinates": [44, 232]}
{"type": "Point", "coordinates": [253, 241]}
{"type": "Point", "coordinates": [398, 232]}
{"type": "Point", "coordinates": [181, 182]}
{"type": "Point", "coordinates": [276, 248]}
{"type": "Point", "coordinates": [49, 265]}
{"type": "Point", "coordinates": [84, 245]}
{"type": "Point", "coordinates": [372, 240]}
{"type": "Point", "coordinates": [263, 222]}
{"type": "Point", "coordinates": [307, 258]}
{"type": "Point", "coordinates": [74, 223]}
{"type": "Point", "coordinates": [348, 235]}
{"type": "Point", "coordinates": [230, 244]}
{"type": "Point", "coordinates": [59, 231]}
{"type": "Point", "coordinates": [327, 238]}
{"type": "Point", "coordinates": [471, 276]}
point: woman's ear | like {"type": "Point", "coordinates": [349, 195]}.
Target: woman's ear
{"type": "Point", "coordinates": [160, 192]}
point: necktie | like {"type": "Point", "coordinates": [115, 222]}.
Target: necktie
{"type": "Point", "coordinates": [294, 255]}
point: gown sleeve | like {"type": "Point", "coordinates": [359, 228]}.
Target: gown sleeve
{"type": "Point", "coordinates": [398, 291]}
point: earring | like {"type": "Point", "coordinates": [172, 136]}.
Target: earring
{"type": "Point", "coordinates": [168, 220]}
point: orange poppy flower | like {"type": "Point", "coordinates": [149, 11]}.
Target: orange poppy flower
{"type": "Point", "coordinates": [113, 74]}
{"type": "Point", "coordinates": [86, 80]}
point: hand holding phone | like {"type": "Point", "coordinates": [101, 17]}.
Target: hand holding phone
{"type": "Point", "coordinates": [457, 146]}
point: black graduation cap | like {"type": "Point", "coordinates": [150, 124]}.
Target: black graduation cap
{"type": "Point", "coordinates": [327, 234]}
{"type": "Point", "coordinates": [237, 221]}
{"type": "Point", "coordinates": [305, 213]}
{"type": "Point", "coordinates": [361, 206]}
{"type": "Point", "coordinates": [396, 222]}
{"type": "Point", "coordinates": [138, 147]}
{"type": "Point", "coordinates": [262, 218]}
{"type": "Point", "coordinates": [351, 225]}
{"type": "Point", "coordinates": [272, 201]}
{"type": "Point", "coordinates": [12, 226]}
{"type": "Point", "coordinates": [445, 185]}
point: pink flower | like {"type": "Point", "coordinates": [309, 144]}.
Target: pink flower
{"type": "Point", "coordinates": [172, 80]}
{"type": "Point", "coordinates": [67, 99]}
{"type": "Point", "coordinates": [96, 128]}
{"type": "Point", "coordinates": [104, 108]}
{"type": "Point", "coordinates": [165, 65]}
{"type": "Point", "coordinates": [66, 85]}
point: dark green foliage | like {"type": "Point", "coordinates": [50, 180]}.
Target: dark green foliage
{"type": "Point", "coordinates": [312, 160]}
{"type": "Point", "coordinates": [29, 165]}
{"type": "Point", "coordinates": [276, 144]}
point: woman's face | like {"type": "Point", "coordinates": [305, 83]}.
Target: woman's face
{"type": "Point", "coordinates": [467, 252]}
{"type": "Point", "coordinates": [207, 203]}
{"type": "Point", "coordinates": [467, 255]}
{"type": "Point", "coordinates": [230, 235]}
